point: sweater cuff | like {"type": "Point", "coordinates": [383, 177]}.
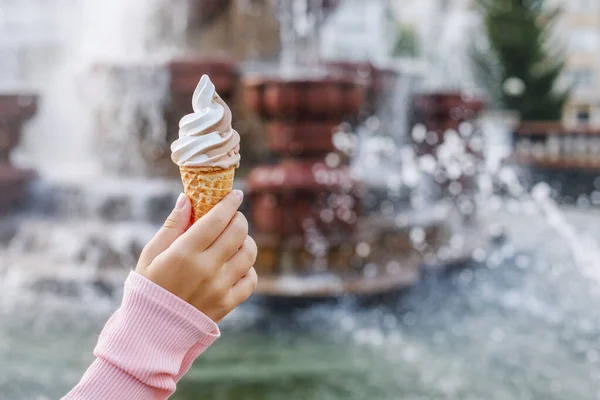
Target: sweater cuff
{"type": "Point", "coordinates": [154, 336]}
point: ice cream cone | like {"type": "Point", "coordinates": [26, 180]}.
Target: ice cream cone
{"type": "Point", "coordinates": [206, 186]}
{"type": "Point", "coordinates": [207, 150]}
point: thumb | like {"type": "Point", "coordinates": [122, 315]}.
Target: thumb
{"type": "Point", "coordinates": [175, 225]}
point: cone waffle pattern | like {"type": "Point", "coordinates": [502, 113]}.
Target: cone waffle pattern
{"type": "Point", "coordinates": [206, 187]}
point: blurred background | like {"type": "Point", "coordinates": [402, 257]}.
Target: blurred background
{"type": "Point", "coordinates": [421, 176]}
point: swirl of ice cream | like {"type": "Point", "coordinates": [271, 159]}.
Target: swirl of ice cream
{"type": "Point", "coordinates": [206, 138]}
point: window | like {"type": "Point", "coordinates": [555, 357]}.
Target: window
{"type": "Point", "coordinates": [582, 77]}
{"type": "Point", "coordinates": [582, 114]}
{"type": "Point", "coordinates": [583, 5]}
{"type": "Point", "coordinates": [585, 39]}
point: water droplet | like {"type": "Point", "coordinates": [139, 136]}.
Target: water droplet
{"type": "Point", "coordinates": [455, 188]}
{"type": "Point", "coordinates": [595, 198]}
{"type": "Point", "coordinates": [419, 133]}
{"type": "Point", "coordinates": [478, 255]}
{"type": "Point", "coordinates": [432, 138]}
{"type": "Point", "coordinates": [466, 276]}
{"type": "Point", "coordinates": [363, 249]}
{"type": "Point", "coordinates": [497, 335]}
{"type": "Point", "coordinates": [393, 268]}
{"type": "Point", "coordinates": [373, 123]}
{"type": "Point", "coordinates": [514, 86]}
{"type": "Point", "coordinates": [428, 163]}
{"type": "Point", "coordinates": [327, 216]}
{"type": "Point", "coordinates": [592, 356]}
{"type": "Point", "coordinates": [370, 270]}
{"type": "Point", "coordinates": [465, 129]}
{"type": "Point", "coordinates": [409, 319]}
{"type": "Point", "coordinates": [522, 261]}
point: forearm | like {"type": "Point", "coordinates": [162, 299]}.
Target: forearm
{"type": "Point", "coordinates": [146, 346]}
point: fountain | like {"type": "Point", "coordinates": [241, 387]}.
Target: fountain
{"type": "Point", "coordinates": [311, 207]}
{"type": "Point", "coordinates": [306, 208]}
{"type": "Point", "coordinates": [324, 223]}
{"type": "Point", "coordinates": [361, 191]}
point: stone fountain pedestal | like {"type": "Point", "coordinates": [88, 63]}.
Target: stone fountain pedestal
{"type": "Point", "coordinates": [15, 110]}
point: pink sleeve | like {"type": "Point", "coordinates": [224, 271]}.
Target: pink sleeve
{"type": "Point", "coordinates": [146, 346]}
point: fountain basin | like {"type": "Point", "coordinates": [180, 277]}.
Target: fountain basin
{"type": "Point", "coordinates": [292, 267]}
{"type": "Point", "coordinates": [294, 195]}
{"type": "Point", "coordinates": [377, 258]}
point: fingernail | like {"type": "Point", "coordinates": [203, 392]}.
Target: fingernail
{"type": "Point", "coordinates": [180, 201]}
{"type": "Point", "coordinates": [239, 194]}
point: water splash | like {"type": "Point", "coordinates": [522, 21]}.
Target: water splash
{"type": "Point", "coordinates": [53, 46]}
{"type": "Point", "coordinates": [300, 36]}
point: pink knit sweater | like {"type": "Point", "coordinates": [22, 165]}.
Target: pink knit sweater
{"type": "Point", "coordinates": [146, 346]}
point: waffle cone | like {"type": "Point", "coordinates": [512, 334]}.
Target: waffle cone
{"type": "Point", "coordinates": [206, 187]}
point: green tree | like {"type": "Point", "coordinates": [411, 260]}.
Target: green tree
{"type": "Point", "coordinates": [521, 64]}
{"type": "Point", "coordinates": [406, 43]}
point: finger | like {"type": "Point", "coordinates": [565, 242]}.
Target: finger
{"type": "Point", "coordinates": [208, 228]}
{"type": "Point", "coordinates": [175, 225]}
{"type": "Point", "coordinates": [238, 266]}
{"type": "Point", "coordinates": [230, 241]}
{"type": "Point", "coordinates": [243, 289]}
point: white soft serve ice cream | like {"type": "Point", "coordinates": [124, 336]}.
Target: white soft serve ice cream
{"type": "Point", "coordinates": [206, 138]}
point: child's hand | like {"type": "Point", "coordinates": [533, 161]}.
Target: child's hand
{"type": "Point", "coordinates": [211, 264]}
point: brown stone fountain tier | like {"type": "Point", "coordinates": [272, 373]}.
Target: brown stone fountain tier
{"type": "Point", "coordinates": [295, 196]}
{"type": "Point", "coordinates": [22, 105]}
{"type": "Point", "coordinates": [314, 99]}
{"type": "Point", "coordinates": [15, 109]}
{"type": "Point", "coordinates": [381, 82]}
{"type": "Point", "coordinates": [449, 107]}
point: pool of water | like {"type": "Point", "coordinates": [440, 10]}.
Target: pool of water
{"type": "Point", "coordinates": [523, 323]}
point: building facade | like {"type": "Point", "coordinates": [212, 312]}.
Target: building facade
{"type": "Point", "coordinates": [579, 30]}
